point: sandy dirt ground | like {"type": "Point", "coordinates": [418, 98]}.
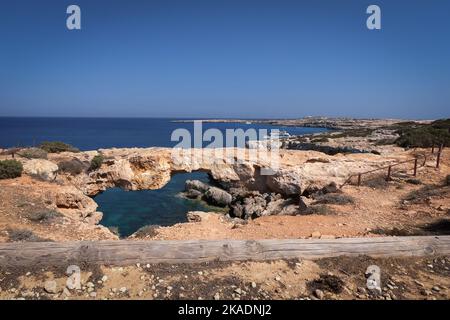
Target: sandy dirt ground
{"type": "Point", "coordinates": [22, 198]}
{"type": "Point", "coordinates": [331, 278]}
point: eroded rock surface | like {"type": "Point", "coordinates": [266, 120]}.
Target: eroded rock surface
{"type": "Point", "coordinates": [218, 197]}
{"type": "Point", "coordinates": [152, 168]}
{"type": "Point", "coordinates": [41, 168]}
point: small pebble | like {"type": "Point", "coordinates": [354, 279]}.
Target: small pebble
{"type": "Point", "coordinates": [319, 294]}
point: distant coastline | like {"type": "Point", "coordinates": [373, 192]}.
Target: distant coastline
{"type": "Point", "coordinates": [335, 123]}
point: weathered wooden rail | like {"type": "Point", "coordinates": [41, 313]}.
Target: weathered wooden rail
{"type": "Point", "coordinates": [414, 160]}
{"type": "Point", "coordinates": [125, 252]}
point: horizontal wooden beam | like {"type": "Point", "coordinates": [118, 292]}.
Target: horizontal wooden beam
{"type": "Point", "coordinates": [126, 252]}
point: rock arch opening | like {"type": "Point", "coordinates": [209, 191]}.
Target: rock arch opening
{"type": "Point", "coordinates": [125, 212]}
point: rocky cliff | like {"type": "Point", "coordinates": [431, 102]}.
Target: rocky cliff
{"type": "Point", "coordinates": [64, 182]}
{"type": "Point", "coordinates": [151, 168]}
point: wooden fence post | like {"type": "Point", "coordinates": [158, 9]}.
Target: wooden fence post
{"type": "Point", "coordinates": [438, 160]}
{"type": "Point", "coordinates": [415, 167]}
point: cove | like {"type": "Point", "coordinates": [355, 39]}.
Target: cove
{"type": "Point", "coordinates": [130, 210]}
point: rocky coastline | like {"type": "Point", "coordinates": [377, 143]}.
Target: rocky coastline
{"type": "Point", "coordinates": [337, 123]}
{"type": "Point", "coordinates": [53, 201]}
{"type": "Point", "coordinates": [305, 185]}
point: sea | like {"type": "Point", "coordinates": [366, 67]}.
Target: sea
{"type": "Point", "coordinates": [127, 211]}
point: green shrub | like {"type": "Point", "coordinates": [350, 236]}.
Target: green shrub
{"type": "Point", "coordinates": [96, 162]}
{"type": "Point", "coordinates": [423, 137]}
{"type": "Point", "coordinates": [10, 169]}
{"type": "Point", "coordinates": [33, 153]}
{"type": "Point", "coordinates": [403, 125]}
{"type": "Point", "coordinates": [57, 146]}
{"type": "Point", "coordinates": [72, 167]}
{"type": "Point", "coordinates": [441, 124]}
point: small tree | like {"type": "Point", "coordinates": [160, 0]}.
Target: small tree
{"type": "Point", "coordinates": [57, 146]}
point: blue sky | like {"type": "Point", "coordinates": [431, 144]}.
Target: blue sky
{"type": "Point", "coordinates": [225, 58]}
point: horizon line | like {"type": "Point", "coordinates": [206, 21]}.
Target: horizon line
{"type": "Point", "coordinates": [221, 118]}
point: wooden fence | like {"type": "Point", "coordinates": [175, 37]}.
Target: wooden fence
{"type": "Point", "coordinates": [126, 252]}
{"type": "Point", "coordinates": [390, 167]}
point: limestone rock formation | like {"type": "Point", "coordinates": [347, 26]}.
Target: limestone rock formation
{"type": "Point", "coordinates": [197, 216]}
{"type": "Point", "coordinates": [152, 168]}
{"type": "Point", "coordinates": [217, 197]}
{"type": "Point", "coordinates": [196, 185]}
{"type": "Point", "coordinates": [193, 194]}
{"type": "Point", "coordinates": [72, 201]}
{"type": "Point", "coordinates": [252, 205]}
{"type": "Point", "coordinates": [41, 168]}
{"type": "Point", "coordinates": [286, 182]}
{"type": "Point", "coordinates": [94, 217]}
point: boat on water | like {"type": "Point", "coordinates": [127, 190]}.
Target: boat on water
{"type": "Point", "coordinates": [277, 135]}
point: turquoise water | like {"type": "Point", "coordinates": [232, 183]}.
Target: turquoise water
{"type": "Point", "coordinates": [130, 210]}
